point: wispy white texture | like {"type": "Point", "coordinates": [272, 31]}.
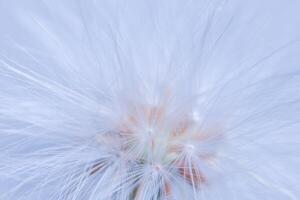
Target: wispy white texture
{"type": "Point", "coordinates": [149, 100]}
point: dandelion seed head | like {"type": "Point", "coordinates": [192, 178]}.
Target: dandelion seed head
{"type": "Point", "coordinates": [149, 100]}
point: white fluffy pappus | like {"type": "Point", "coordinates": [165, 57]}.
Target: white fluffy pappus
{"type": "Point", "coordinates": [146, 100]}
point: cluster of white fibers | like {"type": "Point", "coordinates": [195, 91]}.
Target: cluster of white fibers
{"type": "Point", "coordinates": [149, 100]}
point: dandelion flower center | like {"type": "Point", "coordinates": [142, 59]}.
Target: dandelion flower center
{"type": "Point", "coordinates": [170, 146]}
